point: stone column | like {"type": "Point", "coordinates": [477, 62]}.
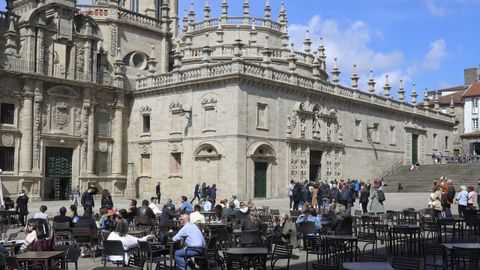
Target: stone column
{"type": "Point", "coordinates": [118, 137]}
{"type": "Point", "coordinates": [91, 139]}
{"type": "Point", "coordinates": [130, 191]}
{"type": "Point", "coordinates": [26, 127]}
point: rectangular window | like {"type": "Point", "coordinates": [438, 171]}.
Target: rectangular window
{"type": "Point", "coordinates": [146, 164]}
{"type": "Point", "coordinates": [474, 105]}
{"type": "Point", "coordinates": [435, 142]}
{"type": "Point", "coordinates": [262, 116]}
{"type": "Point", "coordinates": [175, 164]}
{"type": "Point", "coordinates": [146, 124]}
{"type": "Point", "coordinates": [392, 135]}
{"type": "Point", "coordinates": [103, 123]}
{"type": "Point", "coordinates": [475, 123]}
{"type": "Point", "coordinates": [358, 130]}
{"type": "Point", "coordinates": [7, 158]}
{"type": "Point", "coordinates": [102, 163]}
{"type": "Point", "coordinates": [446, 142]}
{"type": "Point", "coordinates": [376, 133]}
{"type": "Point", "coordinates": [134, 5]}
{"type": "Point", "coordinates": [7, 113]}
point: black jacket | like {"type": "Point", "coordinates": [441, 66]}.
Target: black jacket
{"type": "Point", "coordinates": [107, 201]}
{"type": "Point", "coordinates": [22, 205]}
{"type": "Point", "coordinates": [145, 211]}
{"type": "Point", "coordinates": [87, 199]}
{"type": "Point", "coordinates": [157, 189]}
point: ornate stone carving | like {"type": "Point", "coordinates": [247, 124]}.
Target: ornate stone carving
{"type": "Point", "coordinates": [316, 126]}
{"type": "Point", "coordinates": [78, 119]}
{"type": "Point", "coordinates": [304, 160]}
{"type": "Point", "coordinates": [80, 56]}
{"type": "Point", "coordinates": [175, 106]}
{"type": "Point", "coordinates": [294, 163]}
{"type": "Point", "coordinates": [303, 127]}
{"type": "Point", "coordinates": [145, 148]}
{"type": "Point", "coordinates": [86, 111]}
{"type": "Point", "coordinates": [145, 109]}
{"type": "Point", "coordinates": [209, 102]}
{"type": "Point", "coordinates": [103, 146]}
{"type": "Point", "coordinates": [7, 139]}
{"type": "Point", "coordinates": [113, 39]}
{"type": "Point", "coordinates": [37, 129]}
{"type": "Point", "coordinates": [62, 115]}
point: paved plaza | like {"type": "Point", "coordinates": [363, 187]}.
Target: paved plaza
{"type": "Point", "coordinates": [394, 201]}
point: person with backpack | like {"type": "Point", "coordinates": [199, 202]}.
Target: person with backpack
{"type": "Point", "coordinates": [377, 196]}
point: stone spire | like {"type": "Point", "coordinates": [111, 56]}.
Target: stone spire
{"type": "Point", "coordinates": [292, 60]}
{"type": "Point", "coordinates": [282, 17]}
{"type": "Point", "coordinates": [414, 95]}
{"type": "Point", "coordinates": [355, 78]}
{"type": "Point", "coordinates": [267, 52]}
{"type": "Point", "coordinates": [285, 38]}
{"type": "Point", "coordinates": [268, 9]}
{"type": "Point", "coordinates": [426, 101]}
{"type": "Point", "coordinates": [386, 88]}
{"type": "Point", "coordinates": [336, 72]}
{"type": "Point", "coordinates": [237, 47]}
{"type": "Point", "coordinates": [371, 83]}
{"type": "Point", "coordinates": [185, 21]}
{"type": "Point", "coordinates": [246, 8]}
{"type": "Point", "coordinates": [253, 34]}
{"type": "Point", "coordinates": [316, 68]}
{"type": "Point", "coordinates": [191, 14]}
{"type": "Point", "coordinates": [206, 10]}
{"type": "Point", "coordinates": [177, 56]}
{"type": "Point", "coordinates": [206, 50]}
{"type": "Point", "coordinates": [11, 36]}
{"type": "Point", "coordinates": [224, 10]}
{"type": "Point", "coordinates": [321, 55]}
{"type": "Point", "coordinates": [220, 34]}
{"type": "Point", "coordinates": [452, 106]}
{"type": "Point", "coordinates": [401, 92]}
{"type": "Point", "coordinates": [307, 44]}
{"type": "Point", "coordinates": [152, 61]}
{"type": "Point", "coordinates": [437, 101]}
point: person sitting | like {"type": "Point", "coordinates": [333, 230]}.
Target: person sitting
{"type": "Point", "coordinates": [73, 213]}
{"type": "Point", "coordinates": [167, 215]}
{"type": "Point", "coordinates": [288, 231]}
{"type": "Point", "coordinates": [186, 207]}
{"type": "Point", "coordinates": [31, 236]}
{"type": "Point", "coordinates": [154, 207]}
{"type": "Point", "coordinates": [145, 210]}
{"type": "Point", "coordinates": [310, 215]}
{"type": "Point", "coordinates": [192, 237]}
{"type": "Point", "coordinates": [196, 217]}
{"type": "Point", "coordinates": [207, 205]}
{"type": "Point", "coordinates": [218, 212]}
{"type": "Point", "coordinates": [236, 202]}
{"type": "Point", "coordinates": [170, 204]}
{"type": "Point", "coordinates": [229, 212]}
{"type": "Point", "coordinates": [128, 241]}
{"type": "Point", "coordinates": [244, 217]}
{"type": "Point", "coordinates": [62, 217]}
{"type": "Point", "coordinates": [132, 210]}
{"type": "Point", "coordinates": [42, 214]}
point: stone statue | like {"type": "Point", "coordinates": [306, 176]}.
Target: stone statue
{"type": "Point", "coordinates": [303, 127]}
{"type": "Point", "coordinates": [316, 126]}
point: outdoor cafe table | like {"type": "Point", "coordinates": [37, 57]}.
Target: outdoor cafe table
{"type": "Point", "coordinates": [367, 266]}
{"type": "Point", "coordinates": [335, 241]}
{"type": "Point", "coordinates": [251, 254]}
{"type": "Point", "coordinates": [450, 246]}
{"type": "Point", "coordinates": [10, 246]}
{"type": "Point", "coordinates": [44, 256]}
{"type": "Point", "coordinates": [117, 268]}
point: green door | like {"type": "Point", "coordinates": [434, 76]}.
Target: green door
{"type": "Point", "coordinates": [58, 169]}
{"type": "Point", "coordinates": [260, 190]}
{"type": "Point", "coordinates": [414, 148]}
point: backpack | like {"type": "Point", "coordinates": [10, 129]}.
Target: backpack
{"type": "Point", "coordinates": [381, 196]}
{"type": "Point", "coordinates": [43, 229]}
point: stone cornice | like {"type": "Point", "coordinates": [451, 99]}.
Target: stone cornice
{"type": "Point", "coordinates": [239, 70]}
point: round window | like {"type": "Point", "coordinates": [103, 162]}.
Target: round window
{"type": "Point", "coordinates": [138, 60]}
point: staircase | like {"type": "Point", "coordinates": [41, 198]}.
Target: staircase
{"type": "Point", "coordinates": [422, 179]}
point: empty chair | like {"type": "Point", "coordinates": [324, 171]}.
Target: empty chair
{"type": "Point", "coordinates": [12, 263]}
{"type": "Point", "coordinates": [405, 264]}
{"type": "Point", "coordinates": [281, 252]}
{"type": "Point", "coordinates": [233, 261]}
{"type": "Point", "coordinates": [250, 239]}
{"type": "Point", "coordinates": [73, 253]}
{"type": "Point", "coordinates": [465, 258]}
{"type": "Point", "coordinates": [434, 256]}
{"type": "Point", "coordinates": [151, 256]}
{"type": "Point", "coordinates": [213, 259]}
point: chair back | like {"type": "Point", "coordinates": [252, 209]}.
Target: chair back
{"type": "Point", "coordinates": [136, 261]}
{"type": "Point", "coordinates": [250, 239]}
{"type": "Point", "coordinates": [73, 253]}
{"type": "Point", "coordinates": [61, 226]}
{"type": "Point", "coordinates": [81, 235]}
{"type": "Point", "coordinates": [143, 220]}
{"type": "Point", "coordinates": [465, 258]}
{"type": "Point", "coordinates": [405, 264]}
{"type": "Point", "coordinates": [113, 248]}
{"type": "Point", "coordinates": [307, 228]}
{"type": "Point", "coordinates": [233, 261]}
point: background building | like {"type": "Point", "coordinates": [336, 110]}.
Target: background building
{"type": "Point", "coordinates": [125, 98]}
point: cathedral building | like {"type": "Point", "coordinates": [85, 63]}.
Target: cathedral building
{"type": "Point", "coordinates": [125, 94]}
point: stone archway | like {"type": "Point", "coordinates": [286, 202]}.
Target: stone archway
{"type": "Point", "coordinates": [207, 164]}
{"type": "Point", "coordinates": [260, 177]}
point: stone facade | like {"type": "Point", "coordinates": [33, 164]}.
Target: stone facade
{"type": "Point", "coordinates": [225, 101]}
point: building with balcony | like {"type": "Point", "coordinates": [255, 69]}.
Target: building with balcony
{"type": "Point", "coordinates": [117, 94]}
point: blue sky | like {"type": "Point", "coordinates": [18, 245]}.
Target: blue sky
{"type": "Point", "coordinates": [426, 41]}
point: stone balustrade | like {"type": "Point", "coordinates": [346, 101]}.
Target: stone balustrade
{"type": "Point", "coordinates": [256, 70]}
{"type": "Point", "coordinates": [12, 63]}
{"type": "Point", "coordinates": [214, 22]}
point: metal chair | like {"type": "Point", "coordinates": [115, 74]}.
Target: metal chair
{"type": "Point", "coordinates": [12, 263]}
{"type": "Point", "coordinates": [250, 239]}
{"type": "Point", "coordinates": [151, 255]}
{"type": "Point", "coordinates": [233, 261]}
{"type": "Point", "coordinates": [405, 264]}
{"type": "Point", "coordinates": [317, 266]}
{"type": "Point", "coordinates": [136, 261]}
{"type": "Point", "coordinates": [464, 258]}
{"type": "Point", "coordinates": [434, 255]}
{"type": "Point", "coordinates": [213, 259]}
{"type": "Point", "coordinates": [113, 248]}
{"type": "Point", "coordinates": [81, 237]}
{"type": "Point", "coordinates": [281, 252]}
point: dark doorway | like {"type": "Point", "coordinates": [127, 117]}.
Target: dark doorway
{"type": "Point", "coordinates": [414, 148]}
{"type": "Point", "coordinates": [476, 148]}
{"type": "Point", "coordinates": [260, 189]}
{"type": "Point", "coordinates": [315, 165]}
{"type": "Point", "coordinates": [58, 173]}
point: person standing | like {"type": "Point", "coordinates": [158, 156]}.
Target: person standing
{"type": "Point", "coordinates": [478, 193]}
{"type": "Point", "coordinates": [462, 200]}
{"type": "Point", "coordinates": [290, 193]}
{"type": "Point", "coordinates": [364, 194]}
{"type": "Point", "coordinates": [297, 195]}
{"type": "Point", "coordinates": [378, 197]}
{"type": "Point", "coordinates": [213, 194]}
{"type": "Point", "coordinates": [106, 201]}
{"type": "Point", "coordinates": [76, 195]}
{"type": "Point", "coordinates": [88, 202]}
{"type": "Point", "coordinates": [314, 196]}
{"type": "Point", "coordinates": [22, 207]}
{"type": "Point", "coordinates": [158, 191]}
{"type": "Point", "coordinates": [196, 193]}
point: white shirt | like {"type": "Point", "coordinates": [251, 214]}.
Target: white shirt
{"type": "Point", "coordinates": [196, 218]}
{"type": "Point", "coordinates": [155, 209]}
{"type": "Point", "coordinates": [237, 203]}
{"type": "Point", "coordinates": [30, 238]}
{"type": "Point", "coordinates": [128, 242]}
{"type": "Point", "coordinates": [41, 215]}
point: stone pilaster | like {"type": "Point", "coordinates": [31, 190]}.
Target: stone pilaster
{"type": "Point", "coordinates": [91, 138]}
{"type": "Point", "coordinates": [118, 137]}
{"type": "Point", "coordinates": [26, 127]}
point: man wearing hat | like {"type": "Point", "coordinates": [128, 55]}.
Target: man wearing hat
{"type": "Point", "coordinates": [22, 207]}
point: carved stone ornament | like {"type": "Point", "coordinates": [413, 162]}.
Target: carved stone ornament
{"type": "Point", "coordinates": [7, 139]}
{"type": "Point", "coordinates": [62, 115]}
{"type": "Point", "coordinates": [209, 102]}
{"type": "Point", "coordinates": [175, 147]}
{"type": "Point", "coordinates": [176, 106]}
{"type": "Point", "coordinates": [145, 148]}
{"type": "Point", "coordinates": [102, 146]}
{"type": "Point", "coordinates": [145, 110]}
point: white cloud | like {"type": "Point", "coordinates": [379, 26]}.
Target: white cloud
{"type": "Point", "coordinates": [436, 55]}
{"type": "Point", "coordinates": [440, 8]}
